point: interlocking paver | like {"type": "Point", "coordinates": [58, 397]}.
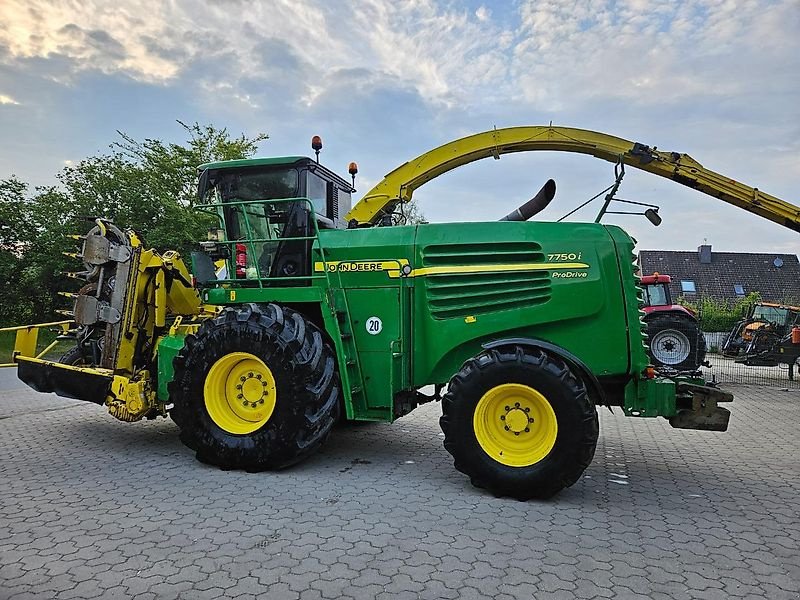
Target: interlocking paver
{"type": "Point", "coordinates": [90, 507]}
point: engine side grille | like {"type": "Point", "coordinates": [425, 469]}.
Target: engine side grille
{"type": "Point", "coordinates": [463, 293]}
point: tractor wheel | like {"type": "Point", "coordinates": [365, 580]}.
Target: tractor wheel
{"type": "Point", "coordinates": [255, 389]}
{"type": "Point", "coordinates": [676, 342]}
{"type": "Point", "coordinates": [74, 357]}
{"type": "Point", "coordinates": [519, 422]}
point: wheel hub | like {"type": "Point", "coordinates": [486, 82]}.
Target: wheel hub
{"type": "Point", "coordinates": [517, 420]}
{"type": "Point", "coordinates": [240, 393]}
{"type": "Point", "coordinates": [252, 389]}
{"type": "Point", "coordinates": [671, 347]}
{"type": "Point", "coordinates": [515, 425]}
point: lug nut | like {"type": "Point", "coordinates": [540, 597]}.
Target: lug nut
{"type": "Point", "coordinates": [508, 408]}
{"type": "Point", "coordinates": [242, 378]}
{"type": "Point", "coordinates": [239, 396]}
{"type": "Point", "coordinates": [507, 428]}
{"type": "Point", "coordinates": [502, 417]}
{"type": "Point", "coordinates": [527, 409]}
{"type": "Point", "coordinates": [516, 404]}
{"type": "Point", "coordinates": [245, 403]}
{"type": "Point", "coordinates": [530, 420]}
{"type": "Point", "coordinates": [527, 430]}
{"type": "Point", "coordinates": [261, 401]}
{"type": "Point", "coordinates": [250, 374]}
{"type": "Point", "coordinates": [516, 433]}
{"type": "Point", "coordinates": [258, 376]}
{"type": "Point", "coordinates": [238, 387]}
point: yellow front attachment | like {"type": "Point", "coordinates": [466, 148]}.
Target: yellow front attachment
{"type": "Point", "coordinates": [240, 393]}
{"type": "Point", "coordinates": [515, 425]}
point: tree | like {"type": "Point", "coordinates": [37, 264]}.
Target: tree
{"type": "Point", "coordinates": [15, 235]}
{"type": "Point", "coordinates": [146, 186]}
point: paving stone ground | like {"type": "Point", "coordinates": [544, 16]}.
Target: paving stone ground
{"type": "Point", "coordinates": [94, 508]}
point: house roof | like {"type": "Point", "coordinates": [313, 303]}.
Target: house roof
{"type": "Point", "coordinates": [755, 272]}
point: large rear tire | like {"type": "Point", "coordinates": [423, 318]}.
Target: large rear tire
{"type": "Point", "coordinates": [519, 422]}
{"type": "Point", "coordinates": [676, 342]}
{"type": "Point", "coordinates": [255, 389]}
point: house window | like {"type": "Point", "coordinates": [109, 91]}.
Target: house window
{"type": "Point", "coordinates": [739, 289]}
{"type": "Point", "coordinates": [687, 287]}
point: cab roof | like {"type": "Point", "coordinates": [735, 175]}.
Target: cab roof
{"type": "Point", "coordinates": [279, 161]}
{"type": "Point", "coordinates": [271, 161]}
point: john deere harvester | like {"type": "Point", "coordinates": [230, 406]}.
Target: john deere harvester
{"type": "Point", "coordinates": [299, 311]}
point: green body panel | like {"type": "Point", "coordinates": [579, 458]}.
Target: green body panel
{"type": "Point", "coordinates": [579, 309]}
{"type": "Point", "coordinates": [650, 398]}
{"type": "Point", "coordinates": [168, 348]}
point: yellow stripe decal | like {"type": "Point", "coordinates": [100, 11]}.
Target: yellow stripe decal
{"type": "Point", "coordinates": [495, 268]}
{"type": "Point", "coordinates": [393, 267]}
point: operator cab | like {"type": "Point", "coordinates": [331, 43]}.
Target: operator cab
{"type": "Point", "coordinates": [265, 224]}
{"type": "Point", "coordinates": [277, 178]}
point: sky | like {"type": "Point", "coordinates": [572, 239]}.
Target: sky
{"type": "Point", "coordinates": [383, 81]}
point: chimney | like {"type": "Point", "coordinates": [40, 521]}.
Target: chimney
{"type": "Point", "coordinates": [704, 253]}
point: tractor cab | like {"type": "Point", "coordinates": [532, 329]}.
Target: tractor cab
{"type": "Point", "coordinates": [268, 212]}
{"type": "Point", "coordinates": [656, 290]}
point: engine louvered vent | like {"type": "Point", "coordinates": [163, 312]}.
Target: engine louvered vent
{"type": "Point", "coordinates": [484, 278]}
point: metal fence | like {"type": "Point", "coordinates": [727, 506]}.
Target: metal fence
{"type": "Point", "coordinates": [728, 369]}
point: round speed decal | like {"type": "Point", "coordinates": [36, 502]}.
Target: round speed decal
{"type": "Point", "coordinates": [374, 325]}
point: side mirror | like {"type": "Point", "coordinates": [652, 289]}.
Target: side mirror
{"type": "Point", "coordinates": [653, 216]}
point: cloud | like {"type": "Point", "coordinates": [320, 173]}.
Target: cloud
{"type": "Point", "coordinates": [643, 53]}
{"type": "Point", "coordinates": [389, 80]}
{"type": "Point", "coordinates": [6, 99]}
{"type": "Point", "coordinates": [483, 13]}
{"type": "Point", "coordinates": [158, 41]}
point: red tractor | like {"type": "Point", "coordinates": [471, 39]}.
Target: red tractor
{"type": "Point", "coordinates": [675, 338]}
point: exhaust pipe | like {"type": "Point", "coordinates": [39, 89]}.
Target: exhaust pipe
{"type": "Point", "coordinates": [535, 205]}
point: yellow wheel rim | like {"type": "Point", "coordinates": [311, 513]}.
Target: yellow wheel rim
{"type": "Point", "coordinates": [240, 393]}
{"type": "Point", "coordinates": [515, 425]}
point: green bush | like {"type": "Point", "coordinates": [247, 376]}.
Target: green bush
{"type": "Point", "coordinates": [720, 315]}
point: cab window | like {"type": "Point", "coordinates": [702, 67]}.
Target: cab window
{"type": "Point", "coordinates": [317, 192]}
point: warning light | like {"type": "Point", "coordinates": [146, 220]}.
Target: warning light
{"type": "Point", "coordinates": [316, 145]}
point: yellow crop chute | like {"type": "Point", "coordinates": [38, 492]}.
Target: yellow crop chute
{"type": "Point", "coordinates": [399, 185]}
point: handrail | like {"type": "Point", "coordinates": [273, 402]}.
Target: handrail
{"type": "Point", "coordinates": [27, 338]}
{"type": "Point", "coordinates": [250, 240]}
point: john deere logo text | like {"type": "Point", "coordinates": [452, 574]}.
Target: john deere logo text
{"type": "Point", "coordinates": [361, 266]}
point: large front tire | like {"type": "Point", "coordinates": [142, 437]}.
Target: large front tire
{"type": "Point", "coordinates": [519, 422]}
{"type": "Point", "coordinates": [256, 388]}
